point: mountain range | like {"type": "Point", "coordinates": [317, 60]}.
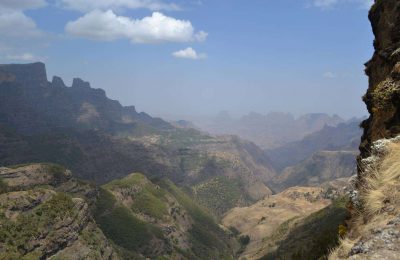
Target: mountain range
{"type": "Point", "coordinates": [139, 187]}
{"type": "Point", "coordinates": [268, 131]}
{"type": "Point", "coordinates": [101, 140]}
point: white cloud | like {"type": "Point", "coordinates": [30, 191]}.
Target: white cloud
{"type": "Point", "coordinates": [14, 23]}
{"type": "Point", "coordinates": [326, 4]}
{"type": "Point", "coordinates": [201, 36]}
{"type": "Point", "coordinates": [329, 75]}
{"type": "Point", "coordinates": [25, 57]}
{"type": "Point", "coordinates": [188, 53]}
{"type": "Point", "coordinates": [90, 5]}
{"type": "Point", "coordinates": [21, 4]}
{"type": "Point", "coordinates": [17, 24]}
{"type": "Point", "coordinates": [106, 25]}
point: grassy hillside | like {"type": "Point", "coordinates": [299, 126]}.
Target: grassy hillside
{"type": "Point", "coordinates": [220, 194]}
{"type": "Point", "coordinates": [266, 223]}
{"type": "Point", "coordinates": [124, 228]}
{"type": "Point", "coordinates": [312, 237]}
{"type": "Point", "coordinates": [158, 220]}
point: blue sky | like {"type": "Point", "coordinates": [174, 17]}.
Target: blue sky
{"type": "Point", "coordinates": [198, 57]}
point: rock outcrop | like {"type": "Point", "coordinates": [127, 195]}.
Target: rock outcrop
{"type": "Point", "coordinates": [374, 228]}
{"type": "Point", "coordinates": [44, 213]}
{"type": "Point", "coordinates": [383, 95]}
{"type": "Point", "coordinates": [36, 77]}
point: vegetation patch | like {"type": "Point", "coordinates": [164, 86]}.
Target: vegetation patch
{"type": "Point", "coordinates": [219, 194]}
{"type": "Point", "coordinates": [16, 236]}
{"type": "Point", "coordinates": [3, 186]}
{"type": "Point", "coordinates": [208, 240]}
{"type": "Point", "coordinates": [127, 182]}
{"type": "Point", "coordinates": [148, 199]}
{"type": "Point", "coordinates": [121, 226]}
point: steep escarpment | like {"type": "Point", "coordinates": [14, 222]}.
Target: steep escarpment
{"type": "Point", "coordinates": [30, 104]}
{"type": "Point", "coordinates": [100, 140]}
{"type": "Point", "coordinates": [374, 227]}
{"type": "Point", "coordinates": [45, 213]}
{"type": "Point", "coordinates": [383, 95]}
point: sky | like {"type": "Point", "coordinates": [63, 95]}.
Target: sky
{"type": "Point", "coordinates": [198, 57]}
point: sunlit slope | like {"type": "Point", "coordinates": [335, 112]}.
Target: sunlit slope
{"type": "Point", "coordinates": [158, 220]}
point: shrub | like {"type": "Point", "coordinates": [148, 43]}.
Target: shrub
{"type": "Point", "coordinates": [342, 230]}
{"type": "Point", "coordinates": [3, 186]}
{"type": "Point", "coordinates": [244, 240]}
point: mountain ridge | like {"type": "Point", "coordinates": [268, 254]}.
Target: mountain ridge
{"type": "Point", "coordinates": [100, 140]}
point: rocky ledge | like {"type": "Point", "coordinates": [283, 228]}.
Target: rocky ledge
{"type": "Point", "coordinates": [45, 214]}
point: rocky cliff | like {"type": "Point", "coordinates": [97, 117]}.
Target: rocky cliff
{"type": "Point", "coordinates": [383, 95]}
{"type": "Point", "coordinates": [44, 213]}
{"type": "Point", "coordinates": [375, 227]}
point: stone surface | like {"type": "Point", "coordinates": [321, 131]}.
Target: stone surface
{"type": "Point", "coordinates": [39, 220]}
{"type": "Point", "coordinates": [383, 95]}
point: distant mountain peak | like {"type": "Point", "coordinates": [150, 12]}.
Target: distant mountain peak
{"type": "Point", "coordinates": [57, 82]}
{"type": "Point", "coordinates": [79, 83]}
{"type": "Point", "coordinates": [28, 75]}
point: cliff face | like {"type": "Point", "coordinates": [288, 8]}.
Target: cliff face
{"type": "Point", "coordinates": [383, 95]}
{"type": "Point", "coordinates": [44, 213]}
{"type": "Point", "coordinates": [375, 226]}
{"type": "Point", "coordinates": [17, 73]}
{"type": "Point", "coordinates": [31, 104]}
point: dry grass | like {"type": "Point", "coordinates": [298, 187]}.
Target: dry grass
{"type": "Point", "coordinates": [379, 197]}
{"type": "Point", "coordinates": [381, 186]}
{"type": "Point", "coordinates": [262, 220]}
{"type": "Point", "coordinates": [343, 249]}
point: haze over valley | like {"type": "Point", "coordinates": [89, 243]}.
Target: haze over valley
{"type": "Point", "coordinates": [209, 130]}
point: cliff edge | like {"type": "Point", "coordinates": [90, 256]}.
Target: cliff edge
{"type": "Point", "coordinates": [383, 94]}
{"type": "Point", "coordinates": [374, 229]}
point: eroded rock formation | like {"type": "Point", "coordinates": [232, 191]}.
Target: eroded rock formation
{"type": "Point", "coordinates": [383, 95]}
